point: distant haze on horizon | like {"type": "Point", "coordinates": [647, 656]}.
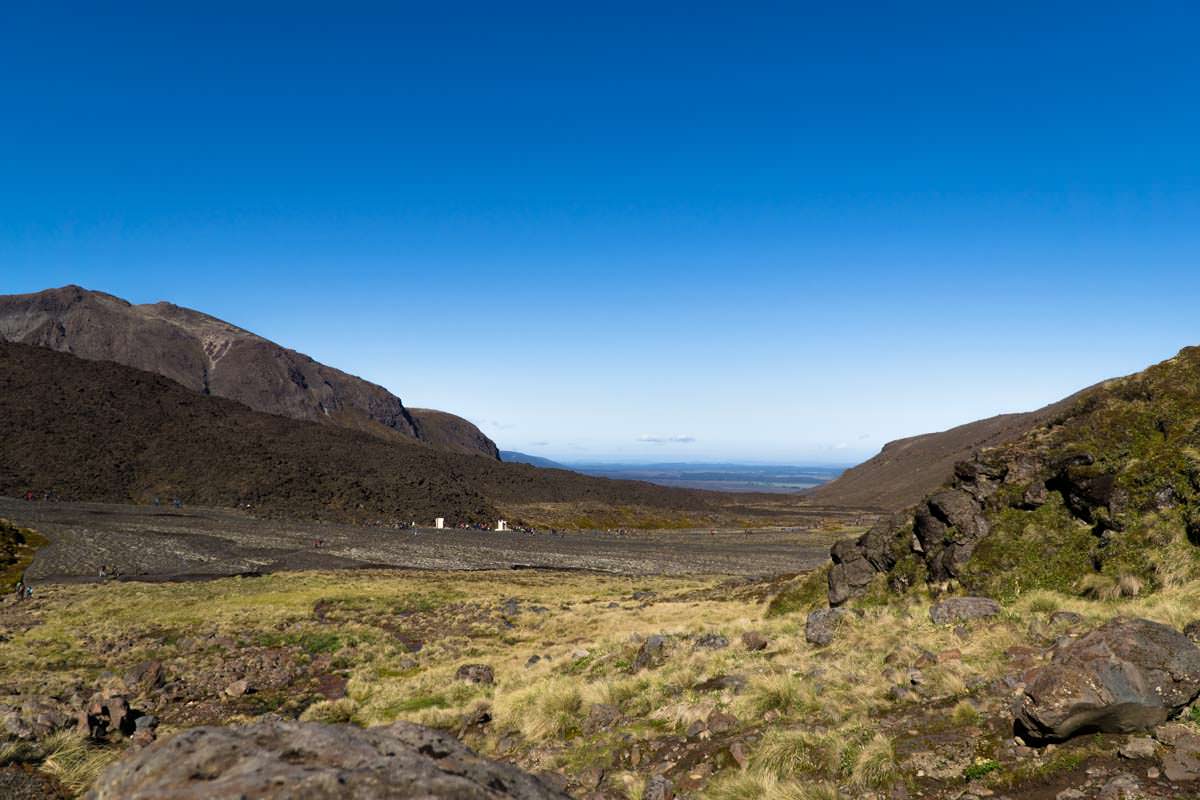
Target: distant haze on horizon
{"type": "Point", "coordinates": [773, 235]}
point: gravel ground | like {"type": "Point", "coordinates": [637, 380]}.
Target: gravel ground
{"type": "Point", "coordinates": [191, 543]}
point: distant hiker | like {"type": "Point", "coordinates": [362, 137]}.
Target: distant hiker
{"type": "Point", "coordinates": [156, 503]}
{"type": "Point", "coordinates": [20, 591]}
{"type": "Point", "coordinates": [28, 592]}
{"type": "Point", "coordinates": [29, 496]}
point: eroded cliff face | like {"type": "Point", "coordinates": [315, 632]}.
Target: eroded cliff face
{"type": "Point", "coordinates": [1104, 497]}
{"type": "Point", "coordinates": [213, 357]}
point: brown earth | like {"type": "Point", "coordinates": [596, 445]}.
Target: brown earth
{"type": "Point", "coordinates": [906, 470]}
{"type": "Point", "coordinates": [213, 357]}
{"type": "Point", "coordinates": [452, 434]}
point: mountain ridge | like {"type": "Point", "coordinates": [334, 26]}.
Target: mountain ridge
{"type": "Point", "coordinates": [82, 429]}
{"type": "Point", "coordinates": [907, 469]}
{"type": "Point", "coordinates": [211, 356]}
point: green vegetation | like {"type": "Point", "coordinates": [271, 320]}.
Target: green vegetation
{"type": "Point", "coordinates": [816, 722]}
{"type": "Point", "coordinates": [17, 547]}
{"type": "Point", "coordinates": [1046, 549]}
{"type": "Point", "coordinates": [804, 594]}
{"type": "Point", "coordinates": [981, 768]}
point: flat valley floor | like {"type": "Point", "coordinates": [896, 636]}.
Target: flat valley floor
{"type": "Point", "coordinates": [149, 543]}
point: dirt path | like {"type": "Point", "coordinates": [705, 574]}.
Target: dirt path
{"type": "Point", "coordinates": [166, 544]}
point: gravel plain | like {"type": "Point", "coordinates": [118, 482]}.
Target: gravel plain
{"type": "Point", "coordinates": [149, 543]}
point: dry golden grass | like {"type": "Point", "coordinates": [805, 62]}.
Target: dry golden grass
{"type": "Point", "coordinates": [818, 710]}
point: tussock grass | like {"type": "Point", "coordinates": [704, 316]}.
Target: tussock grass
{"type": "Point", "coordinates": [817, 710]}
{"type": "Point", "coordinates": [75, 761]}
{"type": "Point", "coordinates": [875, 764]}
{"type": "Point", "coordinates": [758, 785]}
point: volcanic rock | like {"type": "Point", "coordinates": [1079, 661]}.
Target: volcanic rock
{"type": "Point", "coordinates": [822, 625]}
{"type": "Point", "coordinates": [1127, 675]}
{"type": "Point", "coordinates": [754, 641]}
{"type": "Point", "coordinates": [276, 760]}
{"type": "Point", "coordinates": [476, 673]}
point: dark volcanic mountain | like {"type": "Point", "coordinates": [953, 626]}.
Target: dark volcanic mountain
{"type": "Point", "coordinates": [98, 430]}
{"type": "Point", "coordinates": [452, 434]}
{"type": "Point", "coordinates": [908, 469]}
{"type": "Point", "coordinates": [213, 357]}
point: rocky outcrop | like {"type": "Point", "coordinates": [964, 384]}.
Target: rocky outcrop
{"type": "Point", "coordinates": [856, 561]}
{"type": "Point", "coordinates": [276, 760]}
{"type": "Point", "coordinates": [948, 526]}
{"type": "Point", "coordinates": [213, 357]}
{"type": "Point", "coordinates": [943, 532]}
{"type": "Point", "coordinates": [1127, 675]}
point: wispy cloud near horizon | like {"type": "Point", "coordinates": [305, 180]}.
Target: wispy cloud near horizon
{"type": "Point", "coordinates": [647, 438]}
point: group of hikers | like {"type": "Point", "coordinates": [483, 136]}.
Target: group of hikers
{"type": "Point", "coordinates": [23, 590]}
{"type": "Point", "coordinates": [31, 495]}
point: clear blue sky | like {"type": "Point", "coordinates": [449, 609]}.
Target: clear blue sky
{"type": "Point", "coordinates": [787, 232]}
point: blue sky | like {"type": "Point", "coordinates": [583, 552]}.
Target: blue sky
{"type": "Point", "coordinates": [774, 232]}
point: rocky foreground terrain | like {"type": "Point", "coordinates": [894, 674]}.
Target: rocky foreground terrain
{"type": "Point", "coordinates": [593, 686]}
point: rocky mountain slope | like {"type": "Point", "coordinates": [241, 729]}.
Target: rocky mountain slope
{"type": "Point", "coordinates": [1102, 497]}
{"type": "Point", "coordinates": [97, 430]}
{"type": "Point", "coordinates": [908, 469]}
{"type": "Point", "coordinates": [213, 357]}
{"type": "Point", "coordinates": [443, 431]}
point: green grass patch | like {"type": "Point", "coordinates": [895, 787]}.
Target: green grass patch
{"type": "Point", "coordinates": [981, 768]}
{"type": "Point", "coordinates": [803, 595]}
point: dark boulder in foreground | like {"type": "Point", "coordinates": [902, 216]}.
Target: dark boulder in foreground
{"type": "Point", "coordinates": [275, 760]}
{"type": "Point", "coordinates": [1127, 675]}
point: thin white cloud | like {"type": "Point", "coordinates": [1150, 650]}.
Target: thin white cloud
{"type": "Point", "coordinates": [647, 438]}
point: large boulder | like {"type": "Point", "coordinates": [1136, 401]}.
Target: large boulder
{"type": "Point", "coordinates": [276, 760]}
{"type": "Point", "coordinates": [1127, 675]}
